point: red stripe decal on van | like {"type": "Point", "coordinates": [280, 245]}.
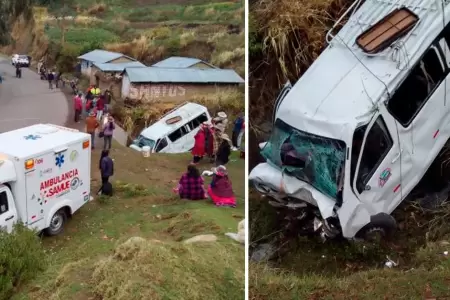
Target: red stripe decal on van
{"type": "Point", "coordinates": [435, 134]}
{"type": "Point", "coordinates": [396, 188]}
{"type": "Point", "coordinates": [33, 217]}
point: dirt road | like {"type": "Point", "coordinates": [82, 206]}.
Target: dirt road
{"type": "Point", "coordinates": [28, 100]}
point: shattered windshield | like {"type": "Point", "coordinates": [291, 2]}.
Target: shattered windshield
{"type": "Point", "coordinates": [316, 160]}
{"type": "Point", "coordinates": [143, 141]}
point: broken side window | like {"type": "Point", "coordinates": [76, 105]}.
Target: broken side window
{"type": "Point", "coordinates": [377, 146]}
{"type": "Point", "coordinates": [316, 160]}
{"type": "Point", "coordinates": [413, 93]}
{"type": "Point", "coordinates": [358, 138]}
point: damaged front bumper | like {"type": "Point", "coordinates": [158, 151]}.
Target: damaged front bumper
{"type": "Point", "coordinates": [288, 192]}
{"type": "Point", "coordinates": [270, 181]}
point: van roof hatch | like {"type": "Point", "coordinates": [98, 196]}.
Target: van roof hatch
{"type": "Point", "coordinates": [392, 27]}
{"type": "Point", "coordinates": [173, 120]}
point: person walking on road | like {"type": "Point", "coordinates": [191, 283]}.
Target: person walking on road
{"type": "Point", "coordinates": [106, 166]}
{"type": "Point", "coordinates": [100, 108]}
{"type": "Point", "coordinates": [50, 78]}
{"type": "Point", "coordinates": [108, 131]}
{"type": "Point", "coordinates": [91, 125]}
{"type": "Point", "coordinates": [78, 107]}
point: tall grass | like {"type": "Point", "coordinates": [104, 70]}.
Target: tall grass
{"type": "Point", "coordinates": [291, 34]}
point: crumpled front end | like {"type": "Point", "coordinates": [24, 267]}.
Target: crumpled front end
{"type": "Point", "coordinates": [285, 190]}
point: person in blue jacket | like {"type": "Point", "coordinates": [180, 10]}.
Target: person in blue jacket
{"type": "Point", "coordinates": [237, 130]}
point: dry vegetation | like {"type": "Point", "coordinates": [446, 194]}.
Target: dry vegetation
{"type": "Point", "coordinates": [135, 118]}
{"type": "Point", "coordinates": [285, 38]}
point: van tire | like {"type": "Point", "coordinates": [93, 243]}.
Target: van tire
{"type": "Point", "coordinates": [381, 225]}
{"type": "Point", "coordinates": [57, 223]}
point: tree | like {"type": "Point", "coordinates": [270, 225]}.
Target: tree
{"type": "Point", "coordinates": [10, 10]}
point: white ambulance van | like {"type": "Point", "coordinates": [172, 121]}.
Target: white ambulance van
{"type": "Point", "coordinates": [44, 176]}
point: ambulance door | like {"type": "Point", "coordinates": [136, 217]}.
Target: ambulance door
{"type": "Point", "coordinates": [36, 202]}
{"type": "Point", "coordinates": [78, 168]}
{"type": "Point", "coordinates": [8, 212]}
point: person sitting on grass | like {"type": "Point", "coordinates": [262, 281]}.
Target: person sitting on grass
{"type": "Point", "coordinates": [191, 185]}
{"type": "Point", "coordinates": [220, 189]}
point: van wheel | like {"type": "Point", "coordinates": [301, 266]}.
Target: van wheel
{"type": "Point", "coordinates": [57, 223]}
{"type": "Point", "coordinates": [381, 226]}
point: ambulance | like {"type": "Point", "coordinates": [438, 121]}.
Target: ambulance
{"type": "Point", "coordinates": [44, 176]}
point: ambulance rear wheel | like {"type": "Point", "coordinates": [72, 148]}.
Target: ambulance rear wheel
{"type": "Point", "coordinates": [57, 223]}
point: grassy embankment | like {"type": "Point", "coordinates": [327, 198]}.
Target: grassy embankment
{"type": "Point", "coordinates": [90, 260]}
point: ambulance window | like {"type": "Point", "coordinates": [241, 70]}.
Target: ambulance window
{"type": "Point", "coordinates": [413, 93]}
{"type": "Point", "coordinates": [161, 144]}
{"type": "Point", "coordinates": [377, 146]}
{"type": "Point", "coordinates": [3, 202]}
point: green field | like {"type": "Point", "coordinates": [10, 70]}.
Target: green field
{"type": "Point", "coordinates": [209, 31]}
{"type": "Point", "coordinates": [83, 262]}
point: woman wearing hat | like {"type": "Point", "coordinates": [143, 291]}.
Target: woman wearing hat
{"type": "Point", "coordinates": [220, 189]}
{"type": "Point", "coordinates": [220, 122]}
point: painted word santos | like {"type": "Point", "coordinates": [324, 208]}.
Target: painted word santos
{"type": "Point", "coordinates": [58, 184]}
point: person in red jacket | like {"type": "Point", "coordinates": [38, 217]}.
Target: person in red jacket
{"type": "Point", "coordinates": [100, 108]}
{"type": "Point", "coordinates": [78, 107]}
{"type": "Point", "coordinates": [199, 146]}
{"type": "Point", "coordinates": [88, 106]}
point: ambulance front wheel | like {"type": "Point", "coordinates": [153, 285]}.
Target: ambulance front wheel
{"type": "Point", "coordinates": [57, 223]}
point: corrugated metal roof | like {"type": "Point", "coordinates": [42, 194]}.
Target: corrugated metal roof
{"type": "Point", "coordinates": [119, 67]}
{"type": "Point", "coordinates": [179, 62]}
{"type": "Point", "coordinates": [102, 56]}
{"type": "Point", "coordinates": [152, 74]}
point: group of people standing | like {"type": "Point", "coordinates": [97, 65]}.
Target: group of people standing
{"type": "Point", "coordinates": [97, 118]}
{"type": "Point", "coordinates": [212, 141]}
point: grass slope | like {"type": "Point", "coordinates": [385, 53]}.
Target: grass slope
{"type": "Point", "coordinates": [88, 260]}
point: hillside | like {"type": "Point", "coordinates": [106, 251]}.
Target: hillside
{"type": "Point", "coordinates": [147, 30]}
{"type": "Point", "coordinates": [93, 260]}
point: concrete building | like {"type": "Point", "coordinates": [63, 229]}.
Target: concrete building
{"type": "Point", "coordinates": [108, 75]}
{"type": "Point", "coordinates": [175, 84]}
{"type": "Point", "coordinates": [183, 62]}
{"type": "Point", "coordinates": [101, 56]}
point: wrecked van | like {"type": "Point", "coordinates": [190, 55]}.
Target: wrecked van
{"type": "Point", "coordinates": [360, 128]}
{"type": "Point", "coordinates": [175, 131]}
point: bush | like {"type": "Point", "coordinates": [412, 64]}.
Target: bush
{"type": "Point", "coordinates": [22, 257]}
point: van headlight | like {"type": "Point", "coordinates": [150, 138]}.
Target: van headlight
{"type": "Point", "coordinates": [261, 187]}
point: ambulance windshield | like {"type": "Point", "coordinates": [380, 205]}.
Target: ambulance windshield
{"type": "Point", "coordinates": [316, 160]}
